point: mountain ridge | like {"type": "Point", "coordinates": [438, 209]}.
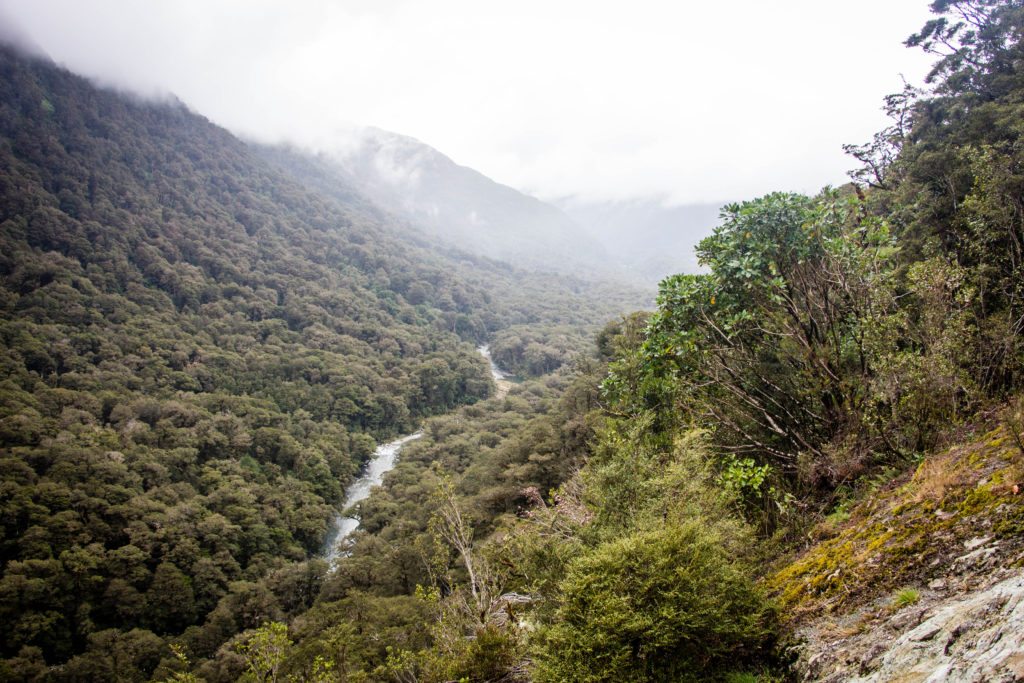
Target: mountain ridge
{"type": "Point", "coordinates": [459, 204]}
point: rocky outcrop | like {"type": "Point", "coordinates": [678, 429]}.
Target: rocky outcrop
{"type": "Point", "coordinates": [979, 637]}
{"type": "Point", "coordinates": [975, 637]}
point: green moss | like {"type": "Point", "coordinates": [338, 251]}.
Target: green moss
{"type": "Point", "coordinates": [897, 535]}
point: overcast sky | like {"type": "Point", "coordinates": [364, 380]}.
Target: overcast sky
{"type": "Point", "coordinates": [604, 100]}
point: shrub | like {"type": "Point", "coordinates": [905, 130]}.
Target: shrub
{"type": "Point", "coordinates": [663, 605]}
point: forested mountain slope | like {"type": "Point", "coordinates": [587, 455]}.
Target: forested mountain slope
{"type": "Point", "coordinates": [455, 204]}
{"type": "Point", "coordinates": [197, 355]}
{"type": "Point", "coordinates": [577, 292]}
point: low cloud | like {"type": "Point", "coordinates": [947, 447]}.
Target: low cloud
{"type": "Point", "coordinates": [691, 101]}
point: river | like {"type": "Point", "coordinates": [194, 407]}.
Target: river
{"type": "Point", "coordinates": [381, 462]}
{"type": "Point", "coordinates": [501, 378]}
{"type": "Point", "coordinates": [496, 372]}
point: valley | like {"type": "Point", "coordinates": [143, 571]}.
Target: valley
{"type": "Point", "coordinates": [229, 347]}
{"type": "Point", "coordinates": [353, 412]}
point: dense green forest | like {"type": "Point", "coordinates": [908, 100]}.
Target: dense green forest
{"type": "Point", "coordinates": [199, 352]}
{"type": "Point", "coordinates": [202, 342]}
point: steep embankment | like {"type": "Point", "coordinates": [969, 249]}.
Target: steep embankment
{"type": "Point", "coordinates": [924, 580]}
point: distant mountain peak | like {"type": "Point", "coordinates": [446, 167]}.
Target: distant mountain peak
{"type": "Point", "coordinates": [460, 205]}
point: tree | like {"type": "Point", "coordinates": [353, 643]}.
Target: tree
{"type": "Point", "coordinates": [768, 347]}
{"type": "Point", "coordinates": [264, 651]}
{"type": "Point", "coordinates": [452, 531]}
{"type": "Point", "coordinates": [170, 604]}
{"type": "Point", "coordinates": [949, 170]}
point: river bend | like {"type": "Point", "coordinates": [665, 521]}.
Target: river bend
{"type": "Point", "coordinates": [381, 462]}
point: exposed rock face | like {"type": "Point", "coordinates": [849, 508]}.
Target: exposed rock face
{"type": "Point", "coordinates": [976, 636]}
{"type": "Point", "coordinates": [979, 637]}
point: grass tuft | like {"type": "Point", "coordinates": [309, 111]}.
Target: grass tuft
{"type": "Point", "coordinates": [905, 598]}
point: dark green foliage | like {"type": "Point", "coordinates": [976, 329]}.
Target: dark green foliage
{"type": "Point", "coordinates": [663, 605]}
{"type": "Point", "coordinates": [532, 351]}
{"type": "Point", "coordinates": [197, 354]}
{"type": "Point", "coordinates": [952, 177]}
{"type": "Point", "coordinates": [642, 569]}
{"type": "Point", "coordinates": [810, 348]}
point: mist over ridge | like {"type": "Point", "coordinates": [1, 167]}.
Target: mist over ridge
{"type": "Point", "coordinates": [605, 105]}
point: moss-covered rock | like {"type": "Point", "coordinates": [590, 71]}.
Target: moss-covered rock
{"type": "Point", "coordinates": [916, 529]}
